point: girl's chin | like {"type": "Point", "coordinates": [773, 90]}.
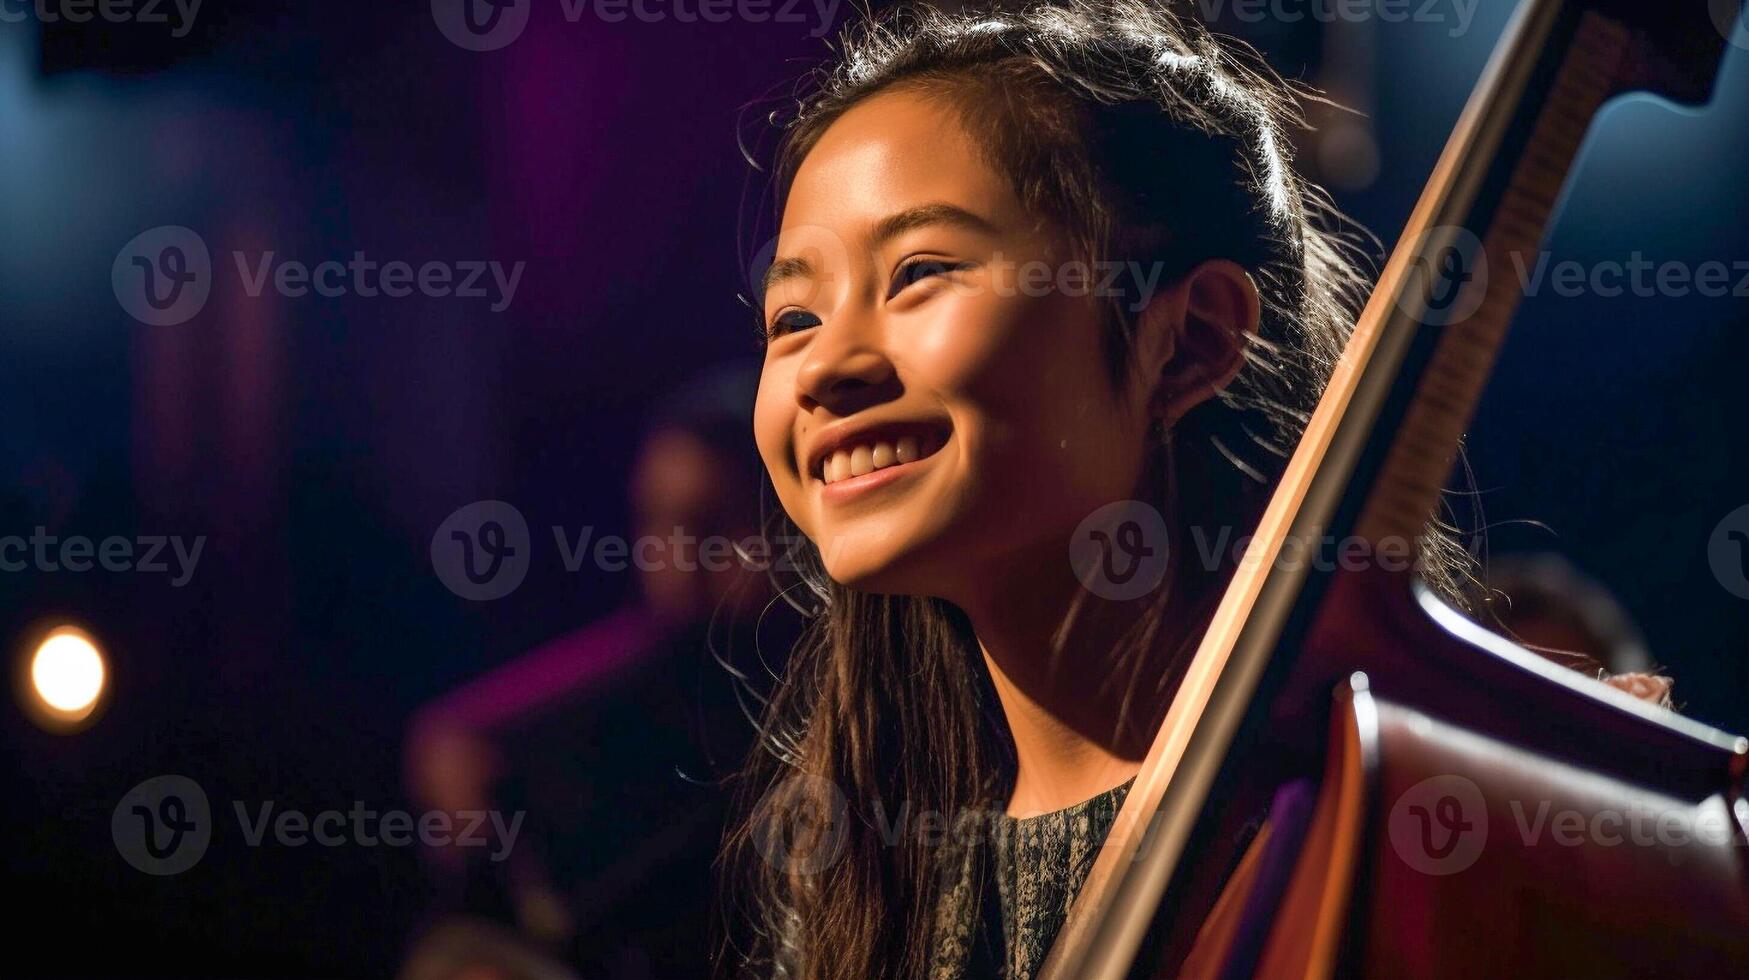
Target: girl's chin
{"type": "Point", "coordinates": [875, 577]}
{"type": "Point", "coordinates": [893, 553]}
{"type": "Point", "coordinates": [896, 574]}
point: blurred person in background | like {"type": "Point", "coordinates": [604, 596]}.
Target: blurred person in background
{"type": "Point", "coordinates": [1547, 605]}
{"type": "Point", "coordinates": [610, 739]}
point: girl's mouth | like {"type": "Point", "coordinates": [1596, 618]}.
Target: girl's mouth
{"type": "Point", "coordinates": [866, 463]}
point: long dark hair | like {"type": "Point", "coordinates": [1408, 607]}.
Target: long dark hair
{"type": "Point", "coordinates": [1143, 138]}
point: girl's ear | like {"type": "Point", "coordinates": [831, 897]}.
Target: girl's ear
{"type": "Point", "coordinates": [1195, 334]}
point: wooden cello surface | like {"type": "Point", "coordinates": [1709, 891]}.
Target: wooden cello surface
{"type": "Point", "coordinates": [1441, 803]}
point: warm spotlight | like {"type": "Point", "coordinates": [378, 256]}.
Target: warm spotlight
{"type": "Point", "coordinates": [66, 679]}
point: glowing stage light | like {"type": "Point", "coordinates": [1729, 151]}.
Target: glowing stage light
{"type": "Point", "coordinates": [66, 679]}
{"type": "Point", "coordinates": [67, 672]}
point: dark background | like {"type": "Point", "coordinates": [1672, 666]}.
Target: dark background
{"type": "Point", "coordinates": [318, 443]}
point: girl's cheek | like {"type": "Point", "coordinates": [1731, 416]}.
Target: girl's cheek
{"type": "Point", "coordinates": [771, 435]}
{"type": "Point", "coordinates": [964, 338]}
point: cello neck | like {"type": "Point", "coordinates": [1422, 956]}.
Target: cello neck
{"type": "Point", "coordinates": [1460, 280]}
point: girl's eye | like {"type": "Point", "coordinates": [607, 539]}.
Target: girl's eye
{"type": "Point", "coordinates": [916, 271]}
{"type": "Point", "coordinates": [791, 320]}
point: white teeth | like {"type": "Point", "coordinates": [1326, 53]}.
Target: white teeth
{"type": "Point", "coordinates": [865, 459]}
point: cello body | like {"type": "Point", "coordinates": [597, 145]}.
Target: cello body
{"type": "Point", "coordinates": [1560, 829]}
{"type": "Point", "coordinates": [1353, 780]}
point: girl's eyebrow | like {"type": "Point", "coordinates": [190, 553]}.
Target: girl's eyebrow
{"type": "Point", "coordinates": [793, 267]}
{"type": "Point", "coordinates": [889, 227]}
{"type": "Point", "coordinates": [935, 213]}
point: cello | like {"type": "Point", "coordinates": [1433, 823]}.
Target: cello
{"type": "Point", "coordinates": [1440, 802]}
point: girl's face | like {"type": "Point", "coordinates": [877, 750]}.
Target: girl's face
{"type": "Point", "coordinates": [935, 409]}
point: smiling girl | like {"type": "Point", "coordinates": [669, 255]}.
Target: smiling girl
{"type": "Point", "coordinates": [1044, 282]}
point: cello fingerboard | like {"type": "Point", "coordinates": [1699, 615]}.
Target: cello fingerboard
{"type": "Point", "coordinates": [1420, 458]}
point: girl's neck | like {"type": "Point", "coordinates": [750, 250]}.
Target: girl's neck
{"type": "Point", "coordinates": [1060, 685]}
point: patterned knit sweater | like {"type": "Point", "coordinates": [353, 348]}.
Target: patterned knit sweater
{"type": "Point", "coordinates": [1036, 865]}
